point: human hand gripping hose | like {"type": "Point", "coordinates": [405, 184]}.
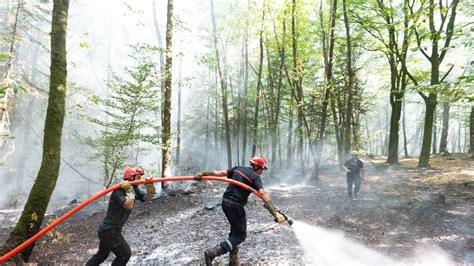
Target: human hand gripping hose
{"type": "Point", "coordinates": [61, 219]}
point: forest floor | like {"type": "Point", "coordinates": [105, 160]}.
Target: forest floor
{"type": "Point", "coordinates": [399, 208]}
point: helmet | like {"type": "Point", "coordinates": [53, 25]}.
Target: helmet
{"type": "Point", "coordinates": [258, 161]}
{"type": "Point", "coordinates": [132, 171]}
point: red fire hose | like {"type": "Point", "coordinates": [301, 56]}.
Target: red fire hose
{"type": "Point", "coordinates": [61, 219]}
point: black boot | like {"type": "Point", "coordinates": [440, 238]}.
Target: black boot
{"type": "Point", "coordinates": [234, 257]}
{"type": "Point", "coordinates": [211, 253]}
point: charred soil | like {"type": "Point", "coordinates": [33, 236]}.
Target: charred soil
{"type": "Point", "coordinates": [399, 208]}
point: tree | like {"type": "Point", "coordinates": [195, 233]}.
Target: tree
{"type": "Point", "coordinates": [127, 109]}
{"type": "Point", "coordinates": [436, 58]}
{"type": "Point", "coordinates": [166, 98]}
{"type": "Point", "coordinates": [259, 85]}
{"type": "Point", "coordinates": [223, 83]}
{"type": "Point", "coordinates": [395, 20]}
{"type": "Point", "coordinates": [38, 200]}
{"type": "Point", "coordinates": [328, 40]}
{"type": "Point", "coordinates": [350, 85]}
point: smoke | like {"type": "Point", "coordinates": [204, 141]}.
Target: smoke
{"type": "Point", "coordinates": [328, 247]}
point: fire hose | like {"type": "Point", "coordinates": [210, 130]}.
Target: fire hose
{"type": "Point", "coordinates": [61, 219]}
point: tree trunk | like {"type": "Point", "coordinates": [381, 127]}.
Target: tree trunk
{"type": "Point", "coordinates": [430, 103]}
{"type": "Point", "coordinates": [166, 100]}
{"type": "Point", "coordinates": [38, 200]}
{"type": "Point", "coordinates": [328, 57]}
{"type": "Point", "coordinates": [259, 86]}
{"type": "Point", "coordinates": [223, 88]}
{"type": "Point", "coordinates": [297, 84]}
{"type": "Point", "coordinates": [158, 36]}
{"type": "Point", "coordinates": [350, 86]}
{"type": "Point", "coordinates": [471, 132]}
{"type": "Point", "coordinates": [405, 149]}
{"type": "Point", "coordinates": [445, 128]}
{"type": "Point", "coordinates": [178, 122]}
{"type": "Point", "coordinates": [436, 58]}
{"type": "Point", "coordinates": [208, 122]}
{"type": "Point", "coordinates": [435, 133]}
{"type": "Point", "coordinates": [246, 84]}
{"type": "Point", "coordinates": [289, 152]}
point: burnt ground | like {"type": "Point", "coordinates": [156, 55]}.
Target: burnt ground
{"type": "Point", "coordinates": [399, 208]}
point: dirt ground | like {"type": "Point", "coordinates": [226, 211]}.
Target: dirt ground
{"type": "Point", "coordinates": [399, 207]}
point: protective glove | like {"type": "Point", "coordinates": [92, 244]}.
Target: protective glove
{"type": "Point", "coordinates": [198, 176]}
{"type": "Point", "coordinates": [125, 186]}
{"type": "Point", "coordinates": [150, 191]}
{"type": "Point", "coordinates": [279, 218]}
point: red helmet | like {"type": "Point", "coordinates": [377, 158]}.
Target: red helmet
{"type": "Point", "coordinates": [132, 171]}
{"type": "Point", "coordinates": [259, 161]}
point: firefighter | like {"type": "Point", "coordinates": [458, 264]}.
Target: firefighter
{"type": "Point", "coordinates": [354, 169]}
{"type": "Point", "coordinates": [120, 206]}
{"type": "Point", "coordinates": [233, 202]}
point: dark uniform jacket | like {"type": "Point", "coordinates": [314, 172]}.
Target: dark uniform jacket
{"type": "Point", "coordinates": [355, 165]}
{"type": "Point", "coordinates": [117, 215]}
{"type": "Point", "coordinates": [244, 175]}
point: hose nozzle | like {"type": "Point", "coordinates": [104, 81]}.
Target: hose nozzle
{"type": "Point", "coordinates": [288, 218]}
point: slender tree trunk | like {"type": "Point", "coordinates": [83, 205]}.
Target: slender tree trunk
{"type": "Point", "coordinates": [223, 88]}
{"type": "Point", "coordinates": [328, 58]}
{"type": "Point", "coordinates": [471, 132]}
{"type": "Point", "coordinates": [158, 36]}
{"type": "Point", "coordinates": [350, 86]}
{"type": "Point", "coordinates": [369, 141]}
{"type": "Point", "coordinates": [259, 86]}
{"type": "Point", "coordinates": [208, 122]}
{"type": "Point", "coordinates": [296, 83]}
{"type": "Point", "coordinates": [445, 128]}
{"type": "Point", "coordinates": [245, 92]}
{"type": "Point", "coordinates": [435, 132]}
{"type": "Point", "coordinates": [166, 100]}
{"type": "Point", "coordinates": [38, 200]}
{"type": "Point", "coordinates": [178, 122]}
{"type": "Point", "coordinates": [405, 149]}
{"type": "Point", "coordinates": [289, 152]}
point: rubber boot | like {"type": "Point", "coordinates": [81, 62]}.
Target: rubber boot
{"type": "Point", "coordinates": [211, 253]}
{"type": "Point", "coordinates": [234, 257]}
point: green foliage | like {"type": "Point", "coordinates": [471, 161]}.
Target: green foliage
{"type": "Point", "coordinates": [4, 56]}
{"type": "Point", "coordinates": [130, 110]}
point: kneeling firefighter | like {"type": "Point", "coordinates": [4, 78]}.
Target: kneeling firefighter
{"type": "Point", "coordinates": [233, 203]}
{"type": "Point", "coordinates": [120, 206]}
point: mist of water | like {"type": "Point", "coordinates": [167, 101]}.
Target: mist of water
{"type": "Point", "coordinates": [328, 247]}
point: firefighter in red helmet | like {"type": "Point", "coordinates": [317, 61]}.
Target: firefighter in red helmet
{"type": "Point", "coordinates": [233, 203]}
{"type": "Point", "coordinates": [120, 206]}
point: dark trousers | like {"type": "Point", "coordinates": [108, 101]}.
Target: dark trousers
{"type": "Point", "coordinates": [111, 240]}
{"type": "Point", "coordinates": [235, 214]}
{"type": "Point", "coordinates": [353, 179]}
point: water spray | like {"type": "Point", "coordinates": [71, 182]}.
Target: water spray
{"type": "Point", "coordinates": [61, 219]}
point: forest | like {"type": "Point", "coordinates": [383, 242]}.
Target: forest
{"type": "Point", "coordinates": [170, 88]}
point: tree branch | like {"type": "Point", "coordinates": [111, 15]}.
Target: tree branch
{"type": "Point", "coordinates": [447, 73]}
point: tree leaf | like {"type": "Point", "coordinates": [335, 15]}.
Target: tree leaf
{"type": "Point", "coordinates": [4, 56]}
{"type": "Point", "coordinates": [84, 45]}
